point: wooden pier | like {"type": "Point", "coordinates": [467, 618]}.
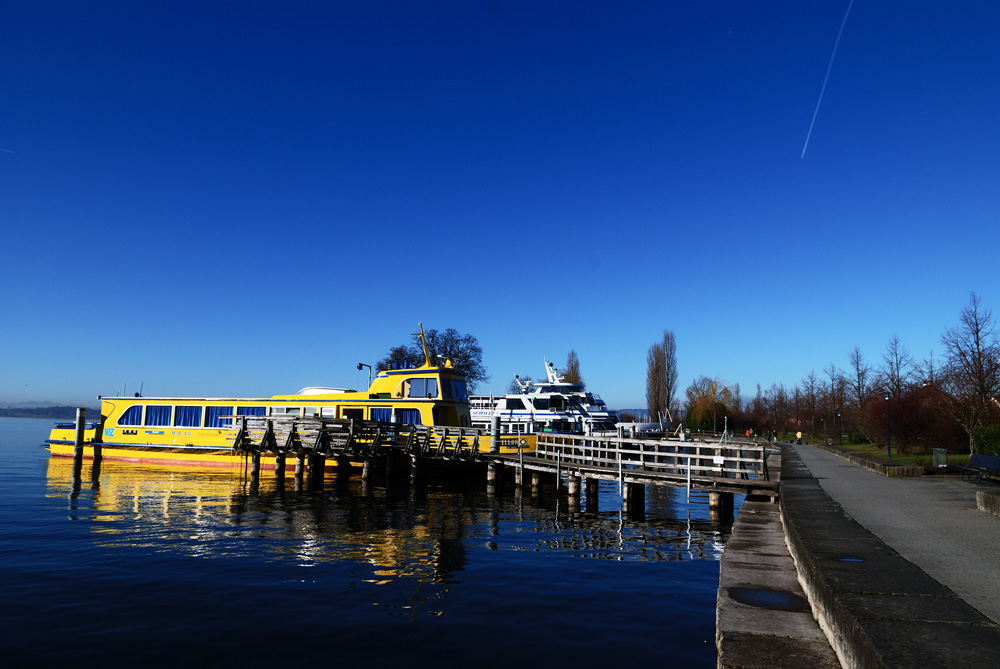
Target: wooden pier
{"type": "Point", "coordinates": [731, 466]}
{"type": "Point", "coordinates": [723, 468]}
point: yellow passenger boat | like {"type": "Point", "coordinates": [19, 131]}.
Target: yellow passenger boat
{"type": "Point", "coordinates": [202, 430]}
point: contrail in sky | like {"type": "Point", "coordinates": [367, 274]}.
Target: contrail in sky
{"type": "Point", "coordinates": [826, 78]}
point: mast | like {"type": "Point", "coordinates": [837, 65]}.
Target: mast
{"type": "Point", "coordinates": [423, 341]}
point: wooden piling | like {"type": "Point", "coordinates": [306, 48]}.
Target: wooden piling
{"type": "Point", "coordinates": [720, 507]}
{"type": "Point", "coordinates": [317, 465]}
{"type": "Point", "coordinates": [81, 420]}
{"type": "Point", "coordinates": [300, 464]}
{"type": "Point", "coordinates": [592, 487]}
{"type": "Point", "coordinates": [573, 485]}
{"type": "Point", "coordinates": [635, 500]}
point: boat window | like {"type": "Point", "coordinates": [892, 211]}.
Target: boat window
{"type": "Point", "coordinates": [251, 411]}
{"type": "Point", "coordinates": [132, 416]}
{"type": "Point", "coordinates": [445, 388]}
{"type": "Point", "coordinates": [310, 411]}
{"type": "Point", "coordinates": [284, 411]}
{"type": "Point", "coordinates": [157, 414]}
{"type": "Point", "coordinates": [214, 416]}
{"type": "Point", "coordinates": [330, 412]}
{"type": "Point", "coordinates": [513, 404]}
{"type": "Point", "coordinates": [541, 403]}
{"type": "Point", "coordinates": [421, 388]}
{"type": "Point", "coordinates": [382, 414]}
{"type": "Point", "coordinates": [408, 416]}
{"type": "Point", "coordinates": [461, 393]}
{"type": "Point", "coordinates": [187, 417]}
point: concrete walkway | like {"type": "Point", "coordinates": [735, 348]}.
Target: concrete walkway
{"type": "Point", "coordinates": [931, 521]}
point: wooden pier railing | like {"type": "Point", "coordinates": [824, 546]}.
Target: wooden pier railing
{"type": "Point", "coordinates": [715, 466]}
{"type": "Point", "coordinates": [352, 438]}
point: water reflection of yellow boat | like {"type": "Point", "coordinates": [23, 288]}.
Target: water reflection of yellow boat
{"type": "Point", "coordinates": [202, 430]}
{"type": "Point", "coordinates": [208, 513]}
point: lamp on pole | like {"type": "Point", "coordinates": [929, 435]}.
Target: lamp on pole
{"type": "Point", "coordinates": [360, 365]}
{"type": "Point", "coordinates": [840, 430]}
{"type": "Point", "coordinates": [888, 436]}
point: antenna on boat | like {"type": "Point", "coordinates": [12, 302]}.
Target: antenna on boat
{"type": "Point", "coordinates": [423, 341]}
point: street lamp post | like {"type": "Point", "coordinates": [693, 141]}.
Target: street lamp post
{"type": "Point", "coordinates": [360, 365]}
{"type": "Point", "coordinates": [840, 430]}
{"type": "Point", "coordinates": [888, 435]}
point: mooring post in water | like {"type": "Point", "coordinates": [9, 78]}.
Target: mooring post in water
{"type": "Point", "coordinates": [592, 486]}
{"type": "Point", "coordinates": [520, 465]}
{"type": "Point", "coordinates": [81, 420]}
{"type": "Point", "coordinates": [495, 435]}
{"type": "Point", "coordinates": [635, 500]}
{"type": "Point", "coordinates": [689, 480]}
{"type": "Point", "coordinates": [492, 473]}
{"type": "Point", "coordinates": [279, 465]}
{"type": "Point", "coordinates": [317, 468]}
{"type": "Point", "coordinates": [573, 485]}
{"type": "Point", "coordinates": [720, 507]}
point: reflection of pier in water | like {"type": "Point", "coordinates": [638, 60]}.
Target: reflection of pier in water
{"type": "Point", "coordinates": [401, 531]}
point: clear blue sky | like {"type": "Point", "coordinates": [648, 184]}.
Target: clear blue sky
{"type": "Point", "coordinates": [245, 198]}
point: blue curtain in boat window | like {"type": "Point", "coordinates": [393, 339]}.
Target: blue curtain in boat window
{"type": "Point", "coordinates": [157, 415]}
{"type": "Point", "coordinates": [132, 416]}
{"type": "Point", "coordinates": [251, 411]}
{"type": "Point", "coordinates": [187, 417]}
{"type": "Point", "coordinates": [408, 416]}
{"type": "Point", "coordinates": [214, 416]}
{"type": "Point", "coordinates": [384, 415]}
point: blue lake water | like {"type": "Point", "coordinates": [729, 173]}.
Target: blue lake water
{"type": "Point", "coordinates": [155, 566]}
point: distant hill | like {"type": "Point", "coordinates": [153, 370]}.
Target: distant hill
{"type": "Point", "coordinates": [48, 411]}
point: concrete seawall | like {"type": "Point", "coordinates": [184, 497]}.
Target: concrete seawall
{"type": "Point", "coordinates": [875, 608]}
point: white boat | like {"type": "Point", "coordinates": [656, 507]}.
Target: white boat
{"type": "Point", "coordinates": [553, 405]}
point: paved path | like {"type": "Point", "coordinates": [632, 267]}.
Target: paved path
{"type": "Point", "coordinates": [931, 521]}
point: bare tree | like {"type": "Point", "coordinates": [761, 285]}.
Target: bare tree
{"type": "Point", "coordinates": [898, 367]}
{"type": "Point", "coordinates": [572, 372]}
{"type": "Point", "coordinates": [810, 396]}
{"type": "Point", "coordinates": [860, 383]}
{"type": "Point", "coordinates": [661, 377]}
{"type": "Point", "coordinates": [971, 374]}
{"type": "Point", "coordinates": [463, 350]}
